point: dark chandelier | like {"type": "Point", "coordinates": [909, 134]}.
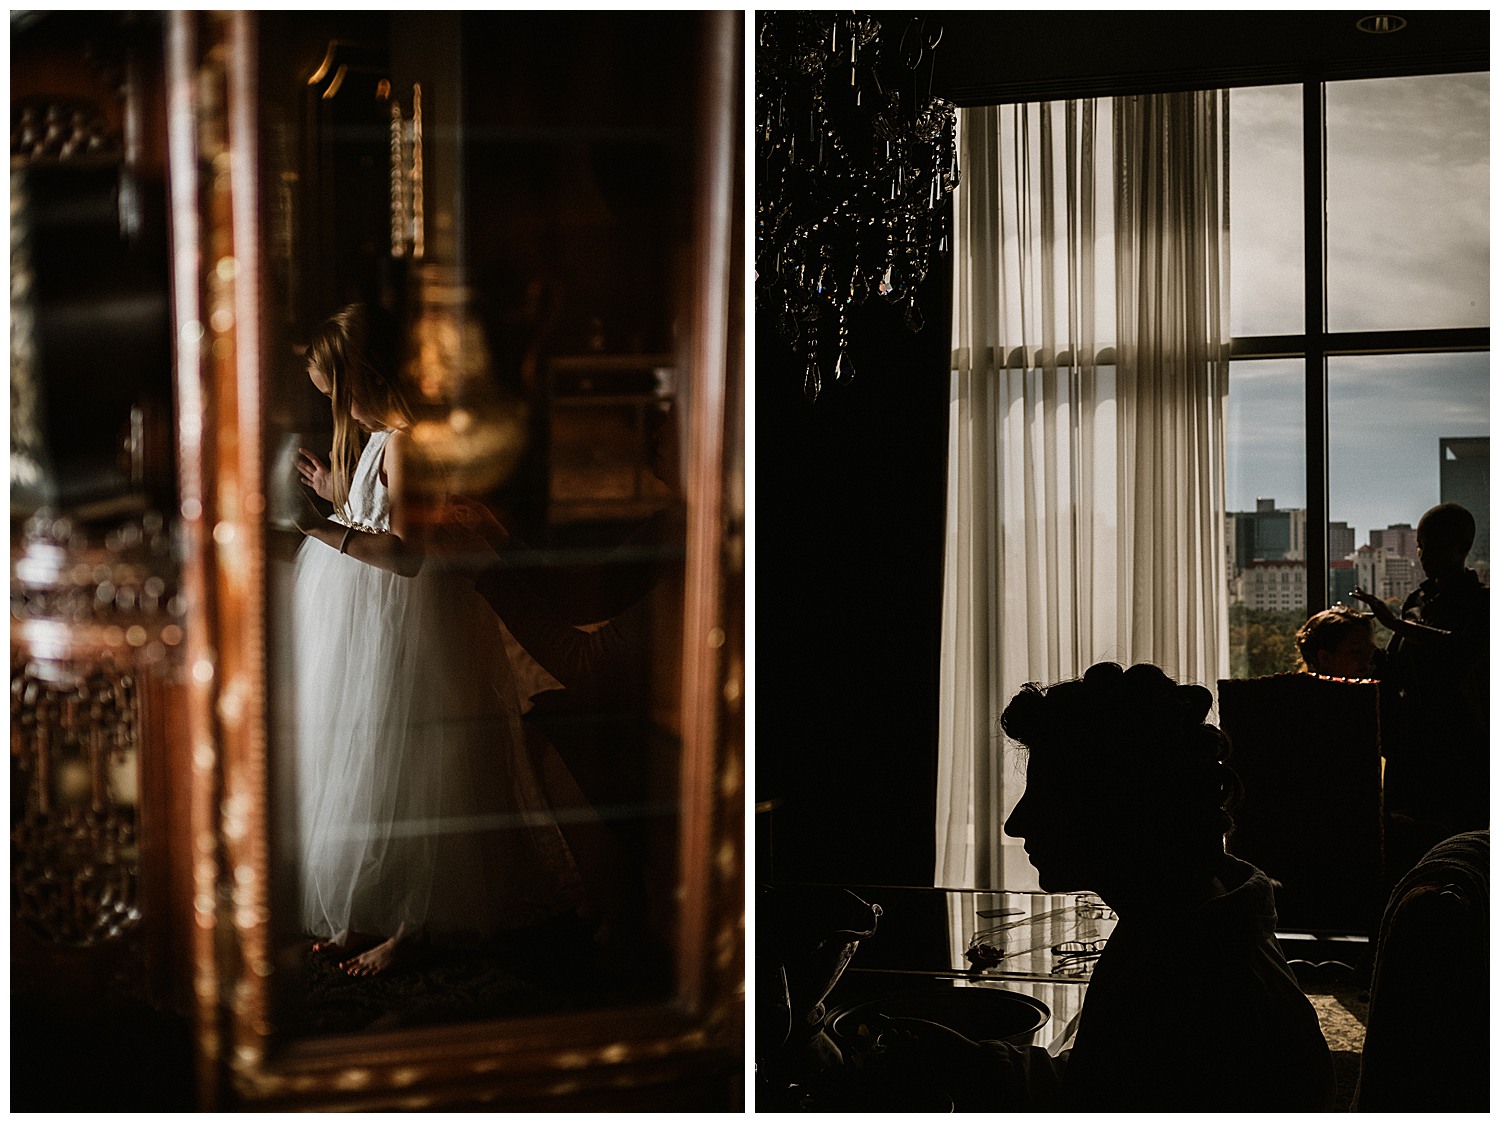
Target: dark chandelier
{"type": "Point", "coordinates": [855, 159]}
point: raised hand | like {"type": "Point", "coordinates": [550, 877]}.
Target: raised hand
{"type": "Point", "coordinates": [477, 519]}
{"type": "Point", "coordinates": [314, 473]}
{"type": "Point", "coordinates": [1381, 610]}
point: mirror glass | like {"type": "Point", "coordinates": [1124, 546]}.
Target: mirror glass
{"type": "Point", "coordinates": [474, 508]}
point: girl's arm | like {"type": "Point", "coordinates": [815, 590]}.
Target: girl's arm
{"type": "Point", "coordinates": [1406, 629]}
{"type": "Point", "coordinates": [403, 548]}
{"type": "Point", "coordinates": [595, 663]}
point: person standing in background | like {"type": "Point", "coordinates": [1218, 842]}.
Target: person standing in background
{"type": "Point", "coordinates": [1437, 662]}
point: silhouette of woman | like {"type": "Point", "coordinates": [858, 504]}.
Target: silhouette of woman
{"type": "Point", "coordinates": [1191, 1006]}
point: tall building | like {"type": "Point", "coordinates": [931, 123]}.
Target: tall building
{"type": "Point", "coordinates": [1400, 540]}
{"type": "Point", "coordinates": [1385, 574]}
{"type": "Point", "coordinates": [1274, 586]}
{"type": "Point", "coordinates": [1369, 568]}
{"type": "Point", "coordinates": [1271, 534]}
{"type": "Point", "coordinates": [1340, 541]}
{"type": "Point", "coordinates": [1296, 526]}
{"type": "Point", "coordinates": [1402, 575]}
{"type": "Point", "coordinates": [1464, 478]}
{"type": "Point", "coordinates": [1342, 579]}
{"type": "Point", "coordinates": [1264, 534]}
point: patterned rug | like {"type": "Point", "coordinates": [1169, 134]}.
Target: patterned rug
{"type": "Point", "coordinates": [1342, 1001]}
{"type": "Point", "coordinates": [554, 969]}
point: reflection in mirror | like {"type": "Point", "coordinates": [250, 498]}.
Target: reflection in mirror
{"type": "Point", "coordinates": [476, 230]}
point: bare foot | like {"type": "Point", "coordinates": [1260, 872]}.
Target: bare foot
{"type": "Point", "coordinates": [379, 959]}
{"type": "Point", "coordinates": [345, 944]}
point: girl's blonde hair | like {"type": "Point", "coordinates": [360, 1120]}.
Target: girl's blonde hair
{"type": "Point", "coordinates": [357, 352]}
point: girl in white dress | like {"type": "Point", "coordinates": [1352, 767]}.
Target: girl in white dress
{"type": "Point", "coordinates": [418, 813]}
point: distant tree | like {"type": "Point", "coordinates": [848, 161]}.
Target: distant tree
{"type": "Point", "coordinates": [1265, 643]}
{"type": "Point", "coordinates": [1261, 642]}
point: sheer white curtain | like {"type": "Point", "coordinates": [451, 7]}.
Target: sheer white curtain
{"type": "Point", "coordinates": [1085, 480]}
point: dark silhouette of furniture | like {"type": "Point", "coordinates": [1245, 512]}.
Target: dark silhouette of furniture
{"type": "Point", "coordinates": [1427, 1041]}
{"type": "Point", "coordinates": [1307, 750]}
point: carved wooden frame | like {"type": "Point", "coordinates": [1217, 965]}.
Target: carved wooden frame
{"type": "Point", "coordinates": [686, 1052]}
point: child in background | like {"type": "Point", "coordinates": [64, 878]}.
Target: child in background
{"type": "Point", "coordinates": [418, 813]}
{"type": "Point", "coordinates": [1338, 642]}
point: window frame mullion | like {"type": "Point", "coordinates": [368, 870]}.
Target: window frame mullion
{"type": "Point", "coordinates": [1401, 342]}
{"type": "Point", "coordinates": [1315, 321]}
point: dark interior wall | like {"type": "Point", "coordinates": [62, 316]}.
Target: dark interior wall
{"type": "Point", "coordinates": [574, 198]}
{"type": "Point", "coordinates": [848, 520]}
{"type": "Point", "coordinates": [578, 152]}
{"type": "Point", "coordinates": [849, 498]}
{"type": "Point", "coordinates": [986, 58]}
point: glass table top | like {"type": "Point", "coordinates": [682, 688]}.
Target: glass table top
{"type": "Point", "coordinates": [981, 935]}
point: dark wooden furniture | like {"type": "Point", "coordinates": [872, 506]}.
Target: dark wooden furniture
{"type": "Point", "coordinates": [1307, 750]}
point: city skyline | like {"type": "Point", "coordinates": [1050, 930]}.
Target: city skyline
{"type": "Point", "coordinates": [1408, 247]}
{"type": "Point", "coordinates": [1384, 442]}
{"type": "Point", "coordinates": [1355, 538]}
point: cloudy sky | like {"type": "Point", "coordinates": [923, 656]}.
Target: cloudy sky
{"type": "Point", "coordinates": [1408, 247]}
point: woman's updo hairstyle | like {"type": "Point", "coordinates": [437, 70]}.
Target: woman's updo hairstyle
{"type": "Point", "coordinates": [1133, 735]}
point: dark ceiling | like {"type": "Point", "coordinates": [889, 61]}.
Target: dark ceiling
{"type": "Point", "coordinates": [997, 56]}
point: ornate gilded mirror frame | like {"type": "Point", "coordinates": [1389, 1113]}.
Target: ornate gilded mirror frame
{"type": "Point", "coordinates": [686, 1052]}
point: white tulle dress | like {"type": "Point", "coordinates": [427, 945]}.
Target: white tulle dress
{"type": "Point", "coordinates": [416, 803]}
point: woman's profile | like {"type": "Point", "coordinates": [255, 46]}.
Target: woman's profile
{"type": "Point", "coordinates": [418, 815]}
{"type": "Point", "coordinates": [1191, 1005]}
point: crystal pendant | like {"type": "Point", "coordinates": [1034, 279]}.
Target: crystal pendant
{"type": "Point", "coordinates": [913, 317]}
{"type": "Point", "coordinates": [786, 325]}
{"type": "Point", "coordinates": [859, 288]}
{"type": "Point", "coordinates": [812, 382]}
{"type": "Point", "coordinates": [843, 371]}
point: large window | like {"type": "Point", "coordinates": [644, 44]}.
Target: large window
{"type": "Point", "coordinates": [1359, 387]}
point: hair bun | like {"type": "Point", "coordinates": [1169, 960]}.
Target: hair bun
{"type": "Point", "coordinates": [1195, 701]}
{"type": "Point", "coordinates": [1148, 680]}
{"type": "Point", "coordinates": [1026, 715]}
{"type": "Point", "coordinates": [1104, 674]}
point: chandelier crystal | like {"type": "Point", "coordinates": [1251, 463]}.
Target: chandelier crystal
{"type": "Point", "coordinates": [855, 162]}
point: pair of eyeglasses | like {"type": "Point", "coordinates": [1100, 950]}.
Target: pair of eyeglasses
{"type": "Point", "coordinates": [1077, 968]}
{"type": "Point", "coordinates": [1092, 908]}
{"type": "Point", "coordinates": [1076, 957]}
{"type": "Point", "coordinates": [1078, 949]}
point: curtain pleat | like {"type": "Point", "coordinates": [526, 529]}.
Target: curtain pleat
{"type": "Point", "coordinates": [1171, 227]}
{"type": "Point", "coordinates": [1086, 427]}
